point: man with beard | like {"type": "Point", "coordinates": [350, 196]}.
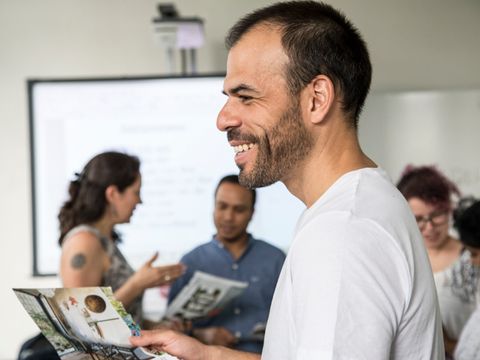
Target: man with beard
{"type": "Point", "coordinates": [356, 283]}
{"type": "Point", "coordinates": [233, 253]}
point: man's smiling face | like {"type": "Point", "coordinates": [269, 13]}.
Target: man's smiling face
{"type": "Point", "coordinates": [264, 124]}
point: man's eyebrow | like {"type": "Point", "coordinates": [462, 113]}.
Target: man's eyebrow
{"type": "Point", "coordinates": [240, 88]}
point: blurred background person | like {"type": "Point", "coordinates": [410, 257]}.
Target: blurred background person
{"type": "Point", "coordinates": [468, 347]}
{"type": "Point", "coordinates": [235, 254]}
{"type": "Point", "coordinates": [431, 196]}
{"type": "Point", "coordinates": [466, 276]}
{"type": "Point", "coordinates": [103, 195]}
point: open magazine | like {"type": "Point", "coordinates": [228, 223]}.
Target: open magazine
{"type": "Point", "coordinates": [85, 323]}
{"type": "Point", "coordinates": [204, 296]}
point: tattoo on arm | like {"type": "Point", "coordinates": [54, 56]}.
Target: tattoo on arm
{"type": "Point", "coordinates": [78, 261]}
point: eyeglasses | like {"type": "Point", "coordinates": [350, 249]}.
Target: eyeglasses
{"type": "Point", "coordinates": [436, 219]}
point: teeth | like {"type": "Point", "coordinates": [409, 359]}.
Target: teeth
{"type": "Point", "coordinates": [241, 148]}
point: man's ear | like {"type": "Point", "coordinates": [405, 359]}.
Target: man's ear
{"type": "Point", "coordinates": [111, 192]}
{"type": "Point", "coordinates": [321, 97]}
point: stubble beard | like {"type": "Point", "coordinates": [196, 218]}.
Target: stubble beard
{"type": "Point", "coordinates": [279, 150]}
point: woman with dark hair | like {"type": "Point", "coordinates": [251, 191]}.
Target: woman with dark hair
{"type": "Point", "coordinates": [467, 222]}
{"type": "Point", "coordinates": [430, 195]}
{"type": "Point", "coordinates": [105, 194]}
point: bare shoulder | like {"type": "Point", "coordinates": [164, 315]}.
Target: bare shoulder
{"type": "Point", "coordinates": [83, 260]}
{"type": "Point", "coordinates": [85, 241]}
{"type": "Point", "coordinates": [83, 250]}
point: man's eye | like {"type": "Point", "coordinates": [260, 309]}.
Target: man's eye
{"type": "Point", "coordinates": [244, 98]}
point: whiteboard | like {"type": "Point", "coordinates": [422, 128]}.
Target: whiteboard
{"type": "Point", "coordinates": [425, 127]}
{"type": "Point", "coordinates": [169, 123]}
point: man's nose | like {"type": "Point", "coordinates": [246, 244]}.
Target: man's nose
{"type": "Point", "coordinates": [228, 215]}
{"type": "Point", "coordinates": [227, 117]}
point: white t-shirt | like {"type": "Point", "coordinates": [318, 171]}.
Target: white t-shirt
{"type": "Point", "coordinates": [356, 283]}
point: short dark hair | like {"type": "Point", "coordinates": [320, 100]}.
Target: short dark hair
{"type": "Point", "coordinates": [233, 179]}
{"type": "Point", "coordinates": [87, 200]}
{"type": "Point", "coordinates": [467, 221]}
{"type": "Point", "coordinates": [429, 185]}
{"type": "Point", "coordinates": [318, 39]}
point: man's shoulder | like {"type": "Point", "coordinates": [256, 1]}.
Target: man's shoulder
{"type": "Point", "coordinates": [353, 237]}
{"type": "Point", "coordinates": [363, 200]}
{"type": "Point", "coordinates": [363, 192]}
{"type": "Point", "coordinates": [360, 230]}
{"type": "Point", "coordinates": [264, 246]}
{"type": "Point", "coordinates": [199, 250]}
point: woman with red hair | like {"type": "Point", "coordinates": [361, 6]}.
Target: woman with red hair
{"type": "Point", "coordinates": [431, 196]}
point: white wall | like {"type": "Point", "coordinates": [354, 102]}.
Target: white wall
{"type": "Point", "coordinates": [425, 127]}
{"type": "Point", "coordinates": [431, 44]}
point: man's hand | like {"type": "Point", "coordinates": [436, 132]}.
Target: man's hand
{"type": "Point", "coordinates": [172, 342]}
{"type": "Point", "coordinates": [186, 347]}
{"type": "Point", "coordinates": [215, 336]}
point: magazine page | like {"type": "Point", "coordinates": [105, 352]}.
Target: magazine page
{"type": "Point", "coordinates": [204, 296]}
{"type": "Point", "coordinates": [85, 323]}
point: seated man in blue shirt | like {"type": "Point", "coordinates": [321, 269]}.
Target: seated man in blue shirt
{"type": "Point", "coordinates": [235, 254]}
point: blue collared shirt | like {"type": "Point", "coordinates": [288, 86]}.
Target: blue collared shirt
{"type": "Point", "coordinates": [259, 265]}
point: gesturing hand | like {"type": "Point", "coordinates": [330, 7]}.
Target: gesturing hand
{"type": "Point", "coordinates": [149, 276]}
